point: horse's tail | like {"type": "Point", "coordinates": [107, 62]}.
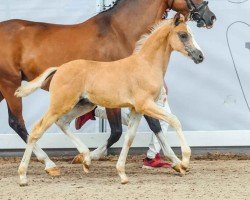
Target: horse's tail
{"type": "Point", "coordinates": [35, 84]}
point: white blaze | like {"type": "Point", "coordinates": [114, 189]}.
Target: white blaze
{"type": "Point", "coordinates": [193, 40]}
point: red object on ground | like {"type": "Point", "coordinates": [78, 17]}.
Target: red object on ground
{"type": "Point", "coordinates": [155, 163]}
{"type": "Point", "coordinates": [80, 121]}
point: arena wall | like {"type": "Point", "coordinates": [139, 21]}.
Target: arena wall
{"type": "Point", "coordinates": [207, 97]}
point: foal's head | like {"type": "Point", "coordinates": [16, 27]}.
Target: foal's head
{"type": "Point", "coordinates": [181, 39]}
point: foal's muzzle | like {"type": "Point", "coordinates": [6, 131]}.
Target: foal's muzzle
{"type": "Point", "coordinates": [197, 56]}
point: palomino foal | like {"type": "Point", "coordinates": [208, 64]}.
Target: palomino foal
{"type": "Point", "coordinates": [135, 82]}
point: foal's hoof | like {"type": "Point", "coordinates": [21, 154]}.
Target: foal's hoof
{"type": "Point", "coordinates": [86, 168]}
{"type": "Point", "coordinates": [78, 159]}
{"type": "Point", "coordinates": [124, 181]}
{"type": "Point", "coordinates": [180, 169]}
{"type": "Point", "coordinates": [55, 171]}
{"type": "Point", "coordinates": [95, 155]}
{"type": "Point", "coordinates": [23, 183]}
{"type": "Point", "coordinates": [124, 178]}
{"type": "Point", "coordinates": [86, 164]}
{"type": "Point", "coordinates": [185, 168]}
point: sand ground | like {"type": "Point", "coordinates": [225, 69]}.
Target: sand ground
{"type": "Point", "coordinates": [207, 179]}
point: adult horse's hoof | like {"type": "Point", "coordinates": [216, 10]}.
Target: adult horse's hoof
{"type": "Point", "coordinates": [180, 169]}
{"type": "Point", "coordinates": [78, 159]}
{"type": "Point", "coordinates": [55, 171]}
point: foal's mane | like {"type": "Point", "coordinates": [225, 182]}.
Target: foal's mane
{"type": "Point", "coordinates": [139, 44]}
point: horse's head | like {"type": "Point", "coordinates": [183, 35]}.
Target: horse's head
{"type": "Point", "coordinates": [182, 40]}
{"type": "Point", "coordinates": [196, 10]}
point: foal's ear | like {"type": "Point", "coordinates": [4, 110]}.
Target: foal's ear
{"type": "Point", "coordinates": [179, 18]}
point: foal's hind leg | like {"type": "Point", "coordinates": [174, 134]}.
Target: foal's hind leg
{"type": "Point", "coordinates": [37, 132]}
{"type": "Point", "coordinates": [152, 109]}
{"type": "Point", "coordinates": [16, 121]}
{"type": "Point", "coordinates": [64, 123]}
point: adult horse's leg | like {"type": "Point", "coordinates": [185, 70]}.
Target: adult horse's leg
{"type": "Point", "coordinates": [115, 122]}
{"type": "Point", "coordinates": [154, 124]}
{"type": "Point", "coordinates": [129, 137]}
{"type": "Point", "coordinates": [16, 122]}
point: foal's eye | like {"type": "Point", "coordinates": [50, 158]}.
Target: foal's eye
{"type": "Point", "coordinates": [184, 36]}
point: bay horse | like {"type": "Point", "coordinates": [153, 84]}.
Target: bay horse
{"type": "Point", "coordinates": [77, 87]}
{"type": "Point", "coordinates": [29, 48]}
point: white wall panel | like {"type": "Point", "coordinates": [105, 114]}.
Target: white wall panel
{"type": "Point", "coordinates": [206, 97]}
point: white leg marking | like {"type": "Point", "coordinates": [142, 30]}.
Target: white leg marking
{"type": "Point", "coordinates": [129, 137]}
{"type": "Point", "coordinates": [42, 156]}
{"type": "Point", "coordinates": [81, 147]}
{"type": "Point", "coordinates": [162, 136]}
{"type": "Point", "coordinates": [22, 170]}
{"type": "Point", "coordinates": [38, 130]}
{"type": "Point", "coordinates": [186, 151]}
{"type": "Point", "coordinates": [99, 152]}
{"type": "Point", "coordinates": [64, 122]}
{"type": "Point", "coordinates": [101, 113]}
{"type": "Point", "coordinates": [167, 150]}
{"type": "Point", "coordinates": [174, 122]}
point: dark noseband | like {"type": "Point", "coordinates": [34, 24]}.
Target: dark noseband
{"type": "Point", "coordinates": [197, 11]}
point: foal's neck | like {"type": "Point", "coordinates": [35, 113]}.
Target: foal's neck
{"type": "Point", "coordinates": [134, 18]}
{"type": "Point", "coordinates": [157, 49]}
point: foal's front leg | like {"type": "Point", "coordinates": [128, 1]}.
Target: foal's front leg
{"type": "Point", "coordinates": [158, 127]}
{"type": "Point", "coordinates": [129, 137]}
{"type": "Point", "coordinates": [162, 102]}
{"type": "Point", "coordinates": [161, 135]}
{"type": "Point", "coordinates": [152, 109]}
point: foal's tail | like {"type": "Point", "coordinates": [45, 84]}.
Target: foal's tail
{"type": "Point", "coordinates": [35, 84]}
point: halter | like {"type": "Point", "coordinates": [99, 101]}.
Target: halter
{"type": "Point", "coordinates": [196, 11]}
